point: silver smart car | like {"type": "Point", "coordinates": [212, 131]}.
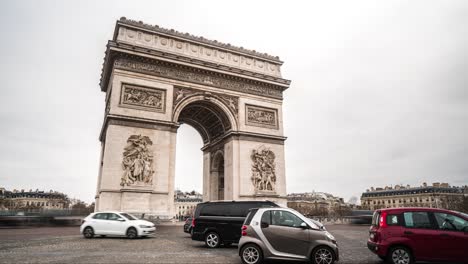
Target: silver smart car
{"type": "Point", "coordinates": [283, 233]}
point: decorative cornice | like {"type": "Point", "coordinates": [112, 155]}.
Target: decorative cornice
{"type": "Point", "coordinates": [120, 120]}
{"type": "Point", "coordinates": [128, 190]}
{"type": "Point", "coordinates": [247, 136]}
{"type": "Point", "coordinates": [172, 32]}
{"type": "Point", "coordinates": [194, 75]}
{"type": "Point", "coordinates": [121, 50]}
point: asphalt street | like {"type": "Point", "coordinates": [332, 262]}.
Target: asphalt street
{"type": "Point", "coordinates": [169, 245]}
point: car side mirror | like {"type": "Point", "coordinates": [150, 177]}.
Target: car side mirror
{"type": "Point", "coordinates": [304, 225]}
{"type": "Point", "coordinates": [264, 225]}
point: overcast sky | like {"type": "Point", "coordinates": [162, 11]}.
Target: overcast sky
{"type": "Point", "coordinates": [379, 92]}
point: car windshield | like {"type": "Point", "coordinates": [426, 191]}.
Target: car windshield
{"type": "Point", "coordinates": [312, 224]}
{"type": "Point", "coordinates": [128, 216]}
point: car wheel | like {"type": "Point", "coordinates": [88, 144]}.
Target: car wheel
{"type": "Point", "coordinates": [88, 232]}
{"type": "Point", "coordinates": [212, 240]}
{"type": "Point", "coordinates": [400, 255]}
{"type": "Point", "coordinates": [132, 233]}
{"type": "Point", "coordinates": [251, 254]}
{"type": "Point", "coordinates": [323, 255]}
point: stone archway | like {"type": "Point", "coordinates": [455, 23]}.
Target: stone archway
{"type": "Point", "coordinates": [157, 79]}
{"type": "Point", "coordinates": [216, 177]}
{"type": "Point", "coordinates": [211, 117]}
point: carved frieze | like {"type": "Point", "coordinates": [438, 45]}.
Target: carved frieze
{"type": "Point", "coordinates": [146, 98]}
{"type": "Point", "coordinates": [231, 101]}
{"type": "Point", "coordinates": [261, 116]}
{"type": "Point", "coordinates": [137, 162]}
{"type": "Point", "coordinates": [263, 169]}
{"type": "Point", "coordinates": [181, 93]}
{"type": "Point", "coordinates": [183, 44]}
{"type": "Point", "coordinates": [186, 74]}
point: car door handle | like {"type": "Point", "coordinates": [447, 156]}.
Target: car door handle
{"type": "Point", "coordinates": [408, 233]}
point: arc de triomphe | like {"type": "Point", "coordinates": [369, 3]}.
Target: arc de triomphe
{"type": "Point", "coordinates": [156, 79]}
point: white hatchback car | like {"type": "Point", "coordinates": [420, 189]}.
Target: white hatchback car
{"type": "Point", "coordinates": [115, 224]}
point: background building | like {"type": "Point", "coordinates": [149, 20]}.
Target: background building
{"type": "Point", "coordinates": [24, 200]}
{"type": "Point", "coordinates": [318, 204]}
{"type": "Point", "coordinates": [439, 195]}
{"type": "Point", "coordinates": [185, 203]}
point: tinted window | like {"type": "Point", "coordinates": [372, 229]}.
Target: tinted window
{"type": "Point", "coordinates": [215, 210]}
{"type": "Point", "coordinates": [450, 222]}
{"type": "Point", "coordinates": [240, 209]}
{"type": "Point", "coordinates": [266, 217]}
{"type": "Point", "coordinates": [265, 205]}
{"type": "Point", "coordinates": [101, 216]}
{"type": "Point", "coordinates": [417, 220]}
{"type": "Point", "coordinates": [393, 220]}
{"type": "Point", "coordinates": [283, 218]}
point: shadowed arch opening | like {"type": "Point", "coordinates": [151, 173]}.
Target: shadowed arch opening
{"type": "Point", "coordinates": [217, 173]}
{"type": "Point", "coordinates": [207, 117]}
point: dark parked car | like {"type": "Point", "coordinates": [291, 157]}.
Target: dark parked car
{"type": "Point", "coordinates": [405, 235]}
{"type": "Point", "coordinates": [188, 225]}
{"type": "Point", "coordinates": [219, 223]}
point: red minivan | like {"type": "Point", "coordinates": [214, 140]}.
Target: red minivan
{"type": "Point", "coordinates": [405, 235]}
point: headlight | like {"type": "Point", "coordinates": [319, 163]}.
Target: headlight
{"type": "Point", "coordinates": [145, 226]}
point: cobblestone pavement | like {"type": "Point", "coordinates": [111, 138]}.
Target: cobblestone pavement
{"type": "Point", "coordinates": [169, 245]}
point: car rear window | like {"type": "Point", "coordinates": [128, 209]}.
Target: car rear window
{"type": "Point", "coordinates": [249, 217]}
{"type": "Point", "coordinates": [375, 218]}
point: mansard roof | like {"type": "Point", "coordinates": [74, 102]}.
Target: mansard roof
{"type": "Point", "coordinates": [415, 190]}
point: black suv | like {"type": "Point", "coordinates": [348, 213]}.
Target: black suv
{"type": "Point", "coordinates": [219, 223]}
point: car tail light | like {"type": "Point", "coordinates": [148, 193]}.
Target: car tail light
{"type": "Point", "coordinates": [244, 230]}
{"type": "Point", "coordinates": [193, 222]}
{"type": "Point", "coordinates": [383, 220]}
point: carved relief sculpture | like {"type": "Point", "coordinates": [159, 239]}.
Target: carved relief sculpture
{"type": "Point", "coordinates": [141, 97]}
{"type": "Point", "coordinates": [182, 92]}
{"type": "Point", "coordinates": [263, 169]}
{"type": "Point", "coordinates": [261, 116]}
{"type": "Point", "coordinates": [160, 69]}
{"type": "Point", "coordinates": [137, 161]}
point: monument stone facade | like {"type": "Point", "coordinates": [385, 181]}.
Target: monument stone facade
{"type": "Point", "coordinates": [156, 79]}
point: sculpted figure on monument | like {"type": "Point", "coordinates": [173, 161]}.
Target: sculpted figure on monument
{"type": "Point", "coordinates": [137, 161]}
{"type": "Point", "coordinates": [142, 97]}
{"type": "Point", "coordinates": [263, 169]}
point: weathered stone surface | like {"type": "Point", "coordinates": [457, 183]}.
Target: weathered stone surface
{"type": "Point", "coordinates": [147, 100]}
